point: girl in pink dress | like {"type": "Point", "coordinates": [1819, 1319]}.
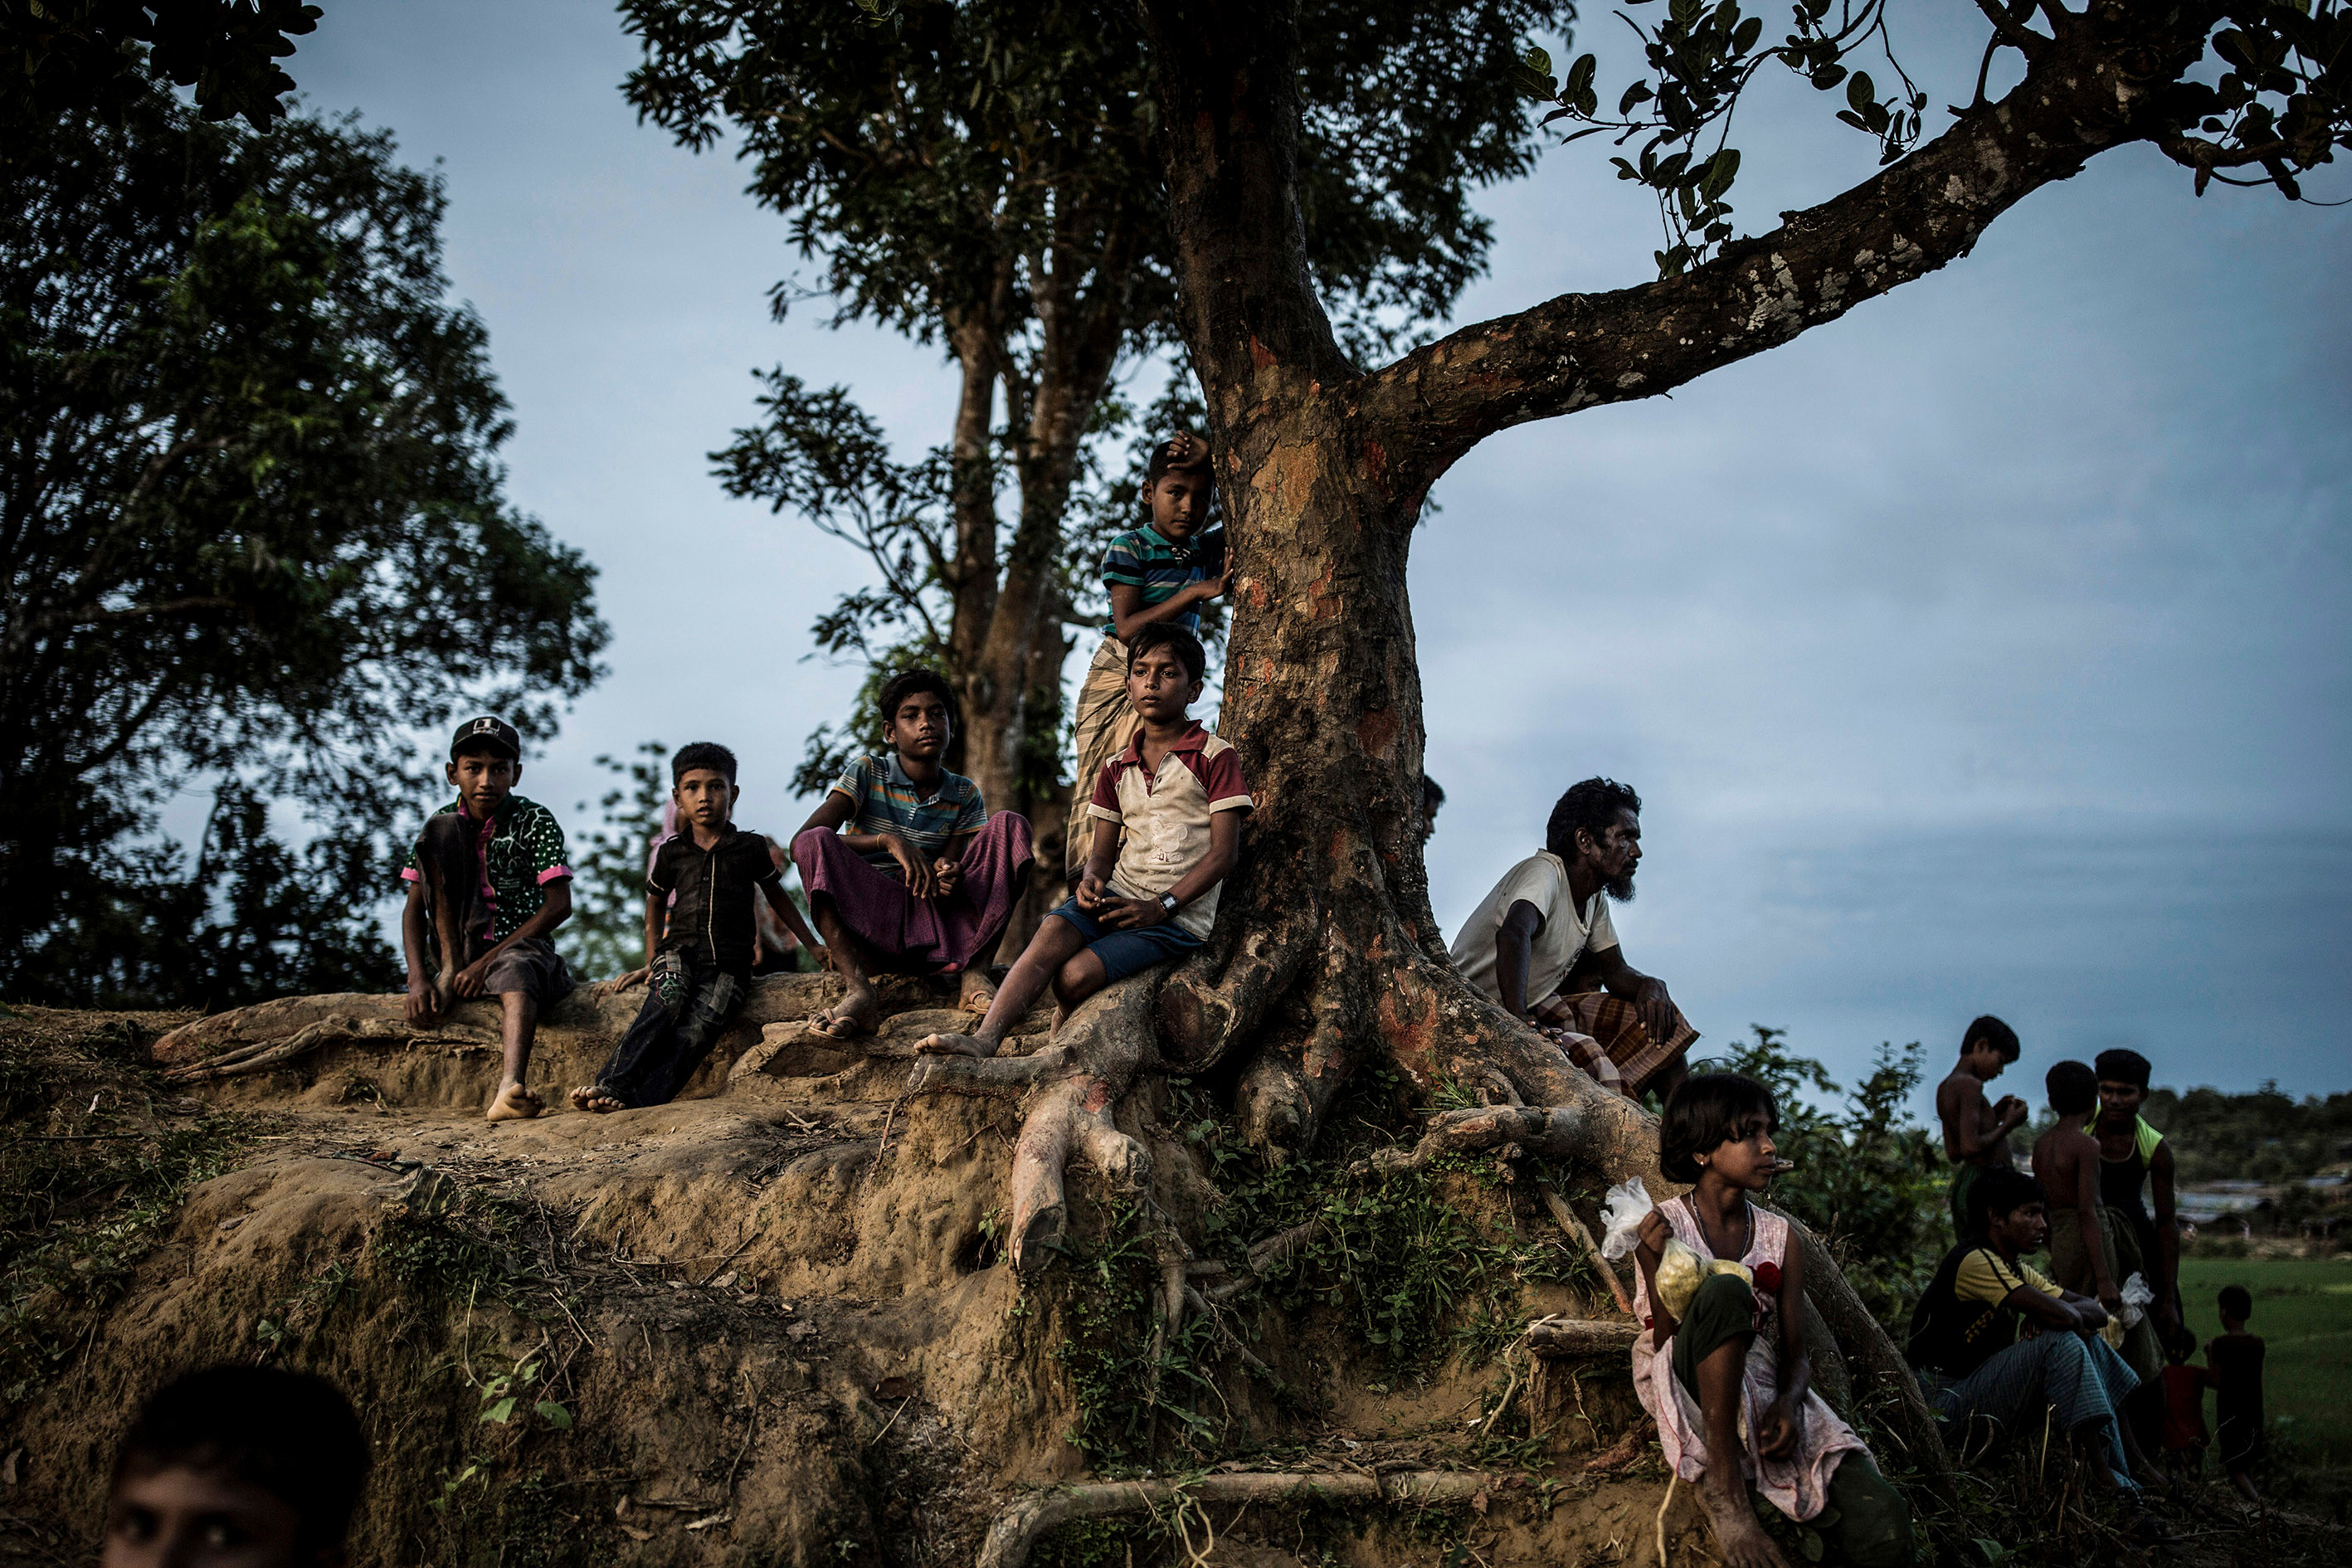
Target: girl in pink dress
{"type": "Point", "coordinates": [1721, 1362]}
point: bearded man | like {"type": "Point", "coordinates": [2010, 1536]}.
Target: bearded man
{"type": "Point", "coordinates": [1541, 945]}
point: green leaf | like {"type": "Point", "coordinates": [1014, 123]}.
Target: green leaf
{"type": "Point", "coordinates": [1744, 36]}
{"type": "Point", "coordinates": [501, 1413]}
{"type": "Point", "coordinates": [1580, 77]}
{"type": "Point", "coordinates": [1809, 1543]}
{"type": "Point", "coordinates": [1721, 170]}
{"type": "Point", "coordinates": [1637, 93]}
{"type": "Point", "coordinates": [1859, 92]}
{"type": "Point", "coordinates": [554, 1414]}
{"type": "Point", "coordinates": [1828, 77]}
{"type": "Point", "coordinates": [1538, 59]}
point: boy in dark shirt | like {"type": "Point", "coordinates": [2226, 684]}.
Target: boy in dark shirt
{"type": "Point", "coordinates": [486, 887]}
{"type": "Point", "coordinates": [699, 935]}
{"type": "Point", "coordinates": [2233, 1365]}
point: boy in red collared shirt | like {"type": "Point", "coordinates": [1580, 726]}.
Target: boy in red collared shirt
{"type": "Point", "coordinates": [1150, 892]}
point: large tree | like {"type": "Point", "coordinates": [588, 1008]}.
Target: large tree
{"type": "Point", "coordinates": [252, 524]}
{"type": "Point", "coordinates": [1327, 954]}
{"type": "Point", "coordinates": [1327, 951]}
{"type": "Point", "coordinates": [983, 176]}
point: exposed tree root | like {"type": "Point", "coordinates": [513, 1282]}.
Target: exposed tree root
{"type": "Point", "coordinates": [1019, 1529]}
{"type": "Point", "coordinates": [1072, 1087]}
{"type": "Point", "coordinates": [1556, 1131]}
{"type": "Point", "coordinates": [265, 1055]}
{"type": "Point", "coordinates": [1575, 1339]}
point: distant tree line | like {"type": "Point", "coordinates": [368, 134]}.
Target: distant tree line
{"type": "Point", "coordinates": [2266, 1136]}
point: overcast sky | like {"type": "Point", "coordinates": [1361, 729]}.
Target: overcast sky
{"type": "Point", "coordinates": [1984, 651]}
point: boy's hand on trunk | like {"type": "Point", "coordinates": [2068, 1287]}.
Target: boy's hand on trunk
{"type": "Point", "coordinates": [421, 1005]}
{"type": "Point", "coordinates": [1091, 894]}
{"type": "Point", "coordinates": [620, 983]}
{"type": "Point", "coordinates": [473, 978]}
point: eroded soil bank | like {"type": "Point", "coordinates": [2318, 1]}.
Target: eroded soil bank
{"type": "Point", "coordinates": [771, 1322]}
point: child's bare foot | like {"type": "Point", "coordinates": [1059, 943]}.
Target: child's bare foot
{"type": "Point", "coordinates": [1737, 1536]}
{"type": "Point", "coordinates": [592, 1097]}
{"type": "Point", "coordinates": [854, 1014]}
{"type": "Point", "coordinates": [955, 1046]}
{"type": "Point", "coordinates": [515, 1103]}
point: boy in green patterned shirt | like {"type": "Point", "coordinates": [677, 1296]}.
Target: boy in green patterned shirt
{"type": "Point", "coordinates": [487, 886]}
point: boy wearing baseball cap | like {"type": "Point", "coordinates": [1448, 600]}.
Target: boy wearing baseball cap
{"type": "Point", "coordinates": [487, 886]}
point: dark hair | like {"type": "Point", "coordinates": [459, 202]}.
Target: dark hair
{"type": "Point", "coordinates": [1183, 643]}
{"type": "Point", "coordinates": [701, 754]}
{"type": "Point", "coordinates": [1591, 806]}
{"type": "Point", "coordinates": [1432, 796]}
{"type": "Point", "coordinates": [2074, 1087]}
{"type": "Point", "coordinates": [290, 1435]}
{"type": "Point", "coordinates": [1993, 1033]}
{"type": "Point", "coordinates": [2236, 1301]}
{"type": "Point", "coordinates": [2000, 1190]}
{"type": "Point", "coordinates": [1164, 462]}
{"type": "Point", "coordinates": [1705, 1112]}
{"type": "Point", "coordinates": [2120, 1066]}
{"type": "Point", "coordinates": [908, 683]}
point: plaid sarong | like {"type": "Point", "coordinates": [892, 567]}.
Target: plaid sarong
{"type": "Point", "coordinates": [1603, 1035]}
{"type": "Point", "coordinates": [1106, 722]}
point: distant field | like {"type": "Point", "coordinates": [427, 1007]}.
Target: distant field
{"type": "Point", "coordinates": [2303, 1310]}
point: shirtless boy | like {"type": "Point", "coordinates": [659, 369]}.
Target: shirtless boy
{"type": "Point", "coordinates": [1976, 1135]}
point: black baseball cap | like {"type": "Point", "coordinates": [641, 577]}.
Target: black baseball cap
{"type": "Point", "coordinates": [494, 733]}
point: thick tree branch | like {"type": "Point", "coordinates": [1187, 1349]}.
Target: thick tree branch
{"type": "Point", "coordinates": [2096, 87]}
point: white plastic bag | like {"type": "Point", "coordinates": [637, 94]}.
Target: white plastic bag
{"type": "Point", "coordinates": [1621, 1216]}
{"type": "Point", "coordinates": [2137, 1299]}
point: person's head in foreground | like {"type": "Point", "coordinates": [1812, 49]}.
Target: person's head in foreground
{"type": "Point", "coordinates": [2072, 1087]}
{"type": "Point", "coordinates": [1165, 668]}
{"type": "Point", "coordinates": [702, 784]}
{"type": "Point", "coordinates": [1176, 486]}
{"type": "Point", "coordinates": [236, 1466]}
{"type": "Point", "coordinates": [1722, 1123]}
{"type": "Point", "coordinates": [2123, 1082]}
{"type": "Point", "coordinates": [485, 764]}
{"type": "Point", "coordinates": [1987, 1047]}
{"type": "Point", "coordinates": [2237, 1304]}
{"type": "Point", "coordinates": [2016, 1218]}
{"type": "Point", "coordinates": [1598, 822]}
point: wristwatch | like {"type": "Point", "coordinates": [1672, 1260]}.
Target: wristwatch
{"type": "Point", "coordinates": [1168, 903]}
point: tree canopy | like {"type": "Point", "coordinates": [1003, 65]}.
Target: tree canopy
{"type": "Point", "coordinates": [68, 56]}
{"type": "Point", "coordinates": [984, 176]}
{"type": "Point", "coordinates": [251, 518]}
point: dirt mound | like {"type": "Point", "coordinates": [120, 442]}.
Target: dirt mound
{"type": "Point", "coordinates": [773, 1321]}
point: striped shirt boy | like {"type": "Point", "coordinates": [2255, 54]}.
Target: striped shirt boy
{"type": "Point", "coordinates": [1141, 558]}
{"type": "Point", "coordinates": [888, 800]}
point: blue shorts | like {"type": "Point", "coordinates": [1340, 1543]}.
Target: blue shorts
{"type": "Point", "coordinates": [1126, 953]}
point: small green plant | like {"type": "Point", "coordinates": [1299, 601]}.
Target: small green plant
{"type": "Point", "coordinates": [513, 1399]}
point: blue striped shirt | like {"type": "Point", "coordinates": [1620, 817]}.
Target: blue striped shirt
{"type": "Point", "coordinates": [1141, 558]}
{"type": "Point", "coordinates": [889, 802]}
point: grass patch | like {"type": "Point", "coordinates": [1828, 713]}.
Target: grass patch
{"type": "Point", "coordinates": [98, 1157]}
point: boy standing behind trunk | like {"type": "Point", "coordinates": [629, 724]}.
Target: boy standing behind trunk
{"type": "Point", "coordinates": [699, 935]}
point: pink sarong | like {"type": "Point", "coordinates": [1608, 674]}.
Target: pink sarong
{"type": "Point", "coordinates": [922, 936]}
{"type": "Point", "coordinates": [1798, 1485]}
